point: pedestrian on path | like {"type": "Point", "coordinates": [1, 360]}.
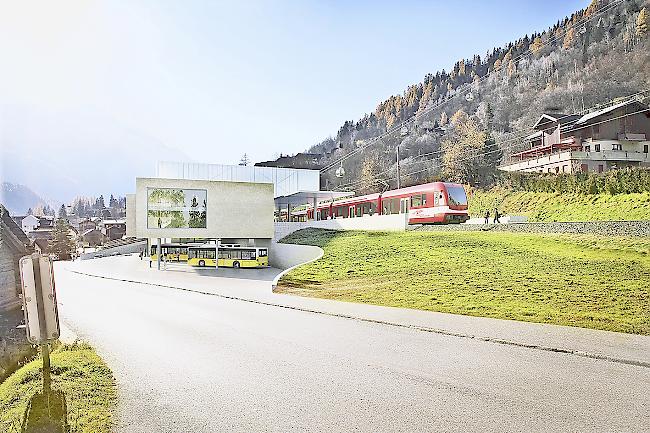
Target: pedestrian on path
{"type": "Point", "coordinates": [487, 216]}
{"type": "Point", "coordinates": [496, 216]}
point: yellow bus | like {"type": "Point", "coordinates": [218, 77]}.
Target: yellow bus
{"type": "Point", "coordinates": [229, 256]}
{"type": "Point", "coordinates": [171, 252]}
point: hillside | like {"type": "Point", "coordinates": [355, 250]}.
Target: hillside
{"type": "Point", "coordinates": [18, 198]}
{"type": "Point", "coordinates": [592, 57]}
{"type": "Point", "coordinates": [551, 206]}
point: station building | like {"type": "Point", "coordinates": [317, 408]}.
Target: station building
{"type": "Point", "coordinates": [197, 202]}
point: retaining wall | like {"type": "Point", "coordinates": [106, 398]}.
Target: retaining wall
{"type": "Point", "coordinates": [134, 247]}
{"type": "Point", "coordinates": [375, 222]}
{"type": "Point", "coordinates": [604, 228]}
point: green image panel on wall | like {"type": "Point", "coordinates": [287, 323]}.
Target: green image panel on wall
{"type": "Point", "coordinates": [169, 208]}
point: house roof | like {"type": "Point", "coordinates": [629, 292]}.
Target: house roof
{"type": "Point", "coordinates": [42, 243]}
{"type": "Point", "coordinates": [87, 232]}
{"type": "Point", "coordinates": [18, 239]}
{"type": "Point", "coordinates": [590, 116]}
{"type": "Point", "coordinates": [555, 117]}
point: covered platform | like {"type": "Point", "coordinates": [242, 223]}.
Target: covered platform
{"type": "Point", "coordinates": [304, 198]}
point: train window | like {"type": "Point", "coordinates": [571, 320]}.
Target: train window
{"type": "Point", "coordinates": [436, 198]}
{"type": "Point", "coordinates": [385, 207]}
{"type": "Point", "coordinates": [424, 199]}
{"type": "Point", "coordinates": [416, 200]}
{"type": "Point", "coordinates": [456, 195]}
{"type": "Point", "coordinates": [373, 208]}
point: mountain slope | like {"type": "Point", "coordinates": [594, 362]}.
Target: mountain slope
{"type": "Point", "coordinates": [18, 198]}
{"type": "Point", "coordinates": [597, 54]}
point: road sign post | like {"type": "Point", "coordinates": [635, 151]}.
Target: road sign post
{"type": "Point", "coordinates": [39, 305]}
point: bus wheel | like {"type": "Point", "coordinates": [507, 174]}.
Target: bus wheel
{"type": "Point", "coordinates": [201, 263]}
{"type": "Point", "coordinates": [235, 265]}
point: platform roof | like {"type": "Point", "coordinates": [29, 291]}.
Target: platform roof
{"type": "Point", "coordinates": [308, 197]}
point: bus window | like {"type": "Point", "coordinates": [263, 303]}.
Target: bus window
{"type": "Point", "coordinates": [263, 253]}
{"type": "Point", "coordinates": [248, 255]}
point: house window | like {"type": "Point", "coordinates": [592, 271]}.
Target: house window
{"type": "Point", "coordinates": [596, 147]}
{"type": "Point", "coordinates": [584, 168]}
{"type": "Point", "coordinates": [587, 148]}
{"type": "Point", "coordinates": [600, 168]}
{"type": "Point", "coordinates": [564, 168]}
{"type": "Point", "coordinates": [557, 170]}
{"type": "Point", "coordinates": [617, 146]}
{"type": "Point", "coordinates": [645, 148]}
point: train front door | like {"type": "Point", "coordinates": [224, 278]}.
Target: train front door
{"type": "Point", "coordinates": [404, 205]}
{"type": "Point", "coordinates": [351, 212]}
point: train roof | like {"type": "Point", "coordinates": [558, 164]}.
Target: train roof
{"type": "Point", "coordinates": [357, 199]}
{"type": "Point", "coordinates": [414, 189]}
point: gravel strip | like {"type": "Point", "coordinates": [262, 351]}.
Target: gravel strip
{"type": "Point", "coordinates": [604, 228]}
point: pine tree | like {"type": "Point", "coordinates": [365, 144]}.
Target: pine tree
{"type": "Point", "coordinates": [536, 46]}
{"type": "Point", "coordinates": [642, 23]}
{"type": "Point", "coordinates": [569, 38]}
{"type": "Point", "coordinates": [62, 244]}
{"type": "Point", "coordinates": [99, 203]}
{"type": "Point", "coordinates": [30, 211]}
{"type": "Point", "coordinates": [62, 212]}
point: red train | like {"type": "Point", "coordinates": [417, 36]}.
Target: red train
{"type": "Point", "coordinates": [430, 203]}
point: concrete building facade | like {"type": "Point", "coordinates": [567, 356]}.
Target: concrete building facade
{"type": "Point", "coordinates": [237, 212]}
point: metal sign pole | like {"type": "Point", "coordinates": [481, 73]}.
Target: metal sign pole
{"type": "Point", "coordinates": [45, 349]}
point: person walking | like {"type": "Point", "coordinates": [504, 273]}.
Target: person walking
{"type": "Point", "coordinates": [487, 216]}
{"type": "Point", "coordinates": [496, 216]}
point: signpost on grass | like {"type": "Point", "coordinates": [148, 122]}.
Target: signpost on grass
{"type": "Point", "coordinates": [39, 304]}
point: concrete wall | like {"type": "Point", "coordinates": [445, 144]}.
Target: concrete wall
{"type": "Point", "coordinates": [134, 247]}
{"type": "Point", "coordinates": [234, 209]}
{"type": "Point", "coordinates": [285, 256]}
{"type": "Point", "coordinates": [375, 222]}
{"type": "Point", "coordinates": [130, 215]}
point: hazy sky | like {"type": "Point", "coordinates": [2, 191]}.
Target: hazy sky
{"type": "Point", "coordinates": [217, 79]}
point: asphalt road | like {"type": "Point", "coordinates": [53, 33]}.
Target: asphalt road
{"type": "Point", "coordinates": [190, 362]}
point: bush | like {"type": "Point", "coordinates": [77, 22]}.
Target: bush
{"type": "Point", "coordinates": [623, 181]}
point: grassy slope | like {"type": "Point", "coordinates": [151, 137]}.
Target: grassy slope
{"type": "Point", "coordinates": [577, 280]}
{"type": "Point", "coordinates": [80, 373]}
{"type": "Point", "coordinates": [540, 206]}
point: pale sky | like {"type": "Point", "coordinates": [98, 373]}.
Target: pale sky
{"type": "Point", "coordinates": [217, 79]}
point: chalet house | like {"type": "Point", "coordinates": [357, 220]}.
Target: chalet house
{"type": "Point", "coordinates": [113, 229]}
{"type": "Point", "coordinates": [27, 223]}
{"type": "Point", "coordinates": [91, 237]}
{"type": "Point", "coordinates": [299, 160]}
{"type": "Point", "coordinates": [14, 245]}
{"type": "Point", "coordinates": [86, 224]}
{"type": "Point", "coordinates": [613, 137]}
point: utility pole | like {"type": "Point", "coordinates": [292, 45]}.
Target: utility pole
{"type": "Point", "coordinates": [403, 132]}
{"type": "Point", "coordinates": [398, 174]}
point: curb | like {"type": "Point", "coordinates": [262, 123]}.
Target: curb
{"type": "Point", "coordinates": [580, 353]}
{"type": "Point", "coordinates": [275, 281]}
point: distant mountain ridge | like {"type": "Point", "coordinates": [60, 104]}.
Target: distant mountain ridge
{"type": "Point", "coordinates": [19, 198]}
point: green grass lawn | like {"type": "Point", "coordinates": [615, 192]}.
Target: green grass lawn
{"type": "Point", "coordinates": [548, 207]}
{"type": "Point", "coordinates": [80, 373]}
{"type": "Point", "coordinates": [576, 280]}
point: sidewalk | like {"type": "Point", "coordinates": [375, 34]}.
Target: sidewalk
{"type": "Point", "coordinates": [255, 286]}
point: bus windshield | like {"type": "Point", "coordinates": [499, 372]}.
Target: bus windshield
{"type": "Point", "coordinates": [457, 195]}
